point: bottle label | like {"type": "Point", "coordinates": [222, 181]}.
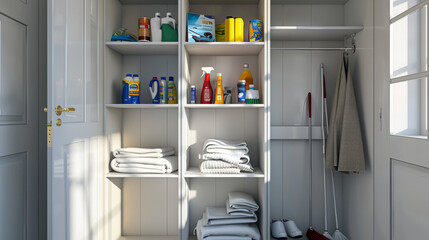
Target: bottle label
{"type": "Point", "coordinates": [206, 96]}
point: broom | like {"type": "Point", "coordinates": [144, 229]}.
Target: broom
{"type": "Point", "coordinates": [337, 235]}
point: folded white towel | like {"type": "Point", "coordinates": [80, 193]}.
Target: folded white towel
{"type": "Point", "coordinates": [145, 165]}
{"type": "Point", "coordinates": [220, 171]}
{"type": "Point", "coordinates": [230, 158]}
{"type": "Point", "coordinates": [240, 200]}
{"type": "Point", "coordinates": [143, 152]}
{"type": "Point", "coordinates": [239, 211]}
{"type": "Point", "coordinates": [225, 146]}
{"type": "Point", "coordinates": [219, 216]}
{"type": "Point", "coordinates": [250, 231]}
{"type": "Point", "coordinates": [219, 164]}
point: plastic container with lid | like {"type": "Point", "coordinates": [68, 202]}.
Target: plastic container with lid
{"type": "Point", "coordinates": [229, 29]}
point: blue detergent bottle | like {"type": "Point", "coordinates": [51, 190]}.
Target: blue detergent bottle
{"type": "Point", "coordinates": [130, 90]}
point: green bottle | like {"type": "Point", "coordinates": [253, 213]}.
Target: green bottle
{"type": "Point", "coordinates": [172, 91]}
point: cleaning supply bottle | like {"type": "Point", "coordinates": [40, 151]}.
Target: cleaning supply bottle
{"type": "Point", "coordinates": [163, 91]}
{"type": "Point", "coordinates": [193, 95]}
{"type": "Point", "coordinates": [246, 75]}
{"type": "Point", "coordinates": [238, 30]}
{"type": "Point", "coordinates": [229, 29]}
{"type": "Point", "coordinates": [207, 91]}
{"type": "Point", "coordinates": [155, 28]}
{"type": "Point", "coordinates": [169, 29]}
{"type": "Point", "coordinates": [154, 90]}
{"type": "Point", "coordinates": [172, 91]}
{"type": "Point", "coordinates": [130, 90]}
{"type": "Point", "coordinates": [219, 89]}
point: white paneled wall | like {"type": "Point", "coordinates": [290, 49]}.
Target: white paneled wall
{"type": "Point", "coordinates": [293, 75]}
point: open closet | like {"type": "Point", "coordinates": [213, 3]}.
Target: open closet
{"type": "Point", "coordinates": [299, 36]}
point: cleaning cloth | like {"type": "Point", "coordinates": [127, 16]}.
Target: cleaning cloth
{"type": "Point", "coordinates": [219, 216]}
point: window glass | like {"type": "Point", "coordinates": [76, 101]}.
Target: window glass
{"type": "Point", "coordinates": [399, 6]}
{"type": "Point", "coordinates": [407, 108]}
{"type": "Point", "coordinates": [408, 37]}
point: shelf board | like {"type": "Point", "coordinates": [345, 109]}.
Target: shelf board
{"type": "Point", "coordinates": [144, 48]}
{"type": "Point", "coordinates": [148, 1]}
{"type": "Point", "coordinates": [142, 175]}
{"type": "Point", "coordinates": [218, 2]}
{"type": "Point", "coordinates": [195, 173]}
{"type": "Point", "coordinates": [149, 238]}
{"type": "Point", "coordinates": [312, 33]}
{"type": "Point", "coordinates": [223, 106]}
{"type": "Point", "coordinates": [309, 1]}
{"type": "Point", "coordinates": [142, 106]}
{"type": "Point", "coordinates": [224, 48]}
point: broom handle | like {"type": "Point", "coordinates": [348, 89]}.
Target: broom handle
{"type": "Point", "coordinates": [310, 143]}
{"type": "Point", "coordinates": [332, 172]}
{"type": "Point", "coordinates": [322, 77]}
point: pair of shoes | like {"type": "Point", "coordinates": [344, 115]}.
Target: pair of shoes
{"type": "Point", "coordinates": [284, 228]}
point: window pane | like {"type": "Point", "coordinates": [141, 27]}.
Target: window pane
{"type": "Point", "coordinates": [399, 6]}
{"type": "Point", "coordinates": [408, 40]}
{"type": "Point", "coordinates": [407, 100]}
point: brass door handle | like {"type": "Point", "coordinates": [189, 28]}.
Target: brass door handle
{"type": "Point", "coordinates": [59, 110]}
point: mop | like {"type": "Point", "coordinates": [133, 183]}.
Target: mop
{"type": "Point", "coordinates": [322, 87]}
{"type": "Point", "coordinates": [337, 235]}
{"type": "Point", "coordinates": [311, 233]}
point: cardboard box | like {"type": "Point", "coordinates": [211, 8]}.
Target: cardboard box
{"type": "Point", "coordinates": [201, 28]}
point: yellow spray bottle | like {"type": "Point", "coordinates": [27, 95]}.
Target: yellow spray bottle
{"type": "Point", "coordinates": [219, 89]}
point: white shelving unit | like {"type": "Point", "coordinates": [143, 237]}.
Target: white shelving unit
{"type": "Point", "coordinates": [167, 206]}
{"type": "Point", "coordinates": [312, 33]}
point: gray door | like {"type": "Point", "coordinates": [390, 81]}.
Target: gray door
{"type": "Point", "coordinates": [18, 119]}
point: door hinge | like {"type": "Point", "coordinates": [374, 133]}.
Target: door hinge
{"type": "Point", "coordinates": [49, 134]}
{"type": "Point", "coordinates": [380, 115]}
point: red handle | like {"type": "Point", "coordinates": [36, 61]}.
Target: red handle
{"type": "Point", "coordinates": [309, 104]}
{"type": "Point", "coordinates": [324, 87]}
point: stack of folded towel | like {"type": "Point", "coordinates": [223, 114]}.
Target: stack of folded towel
{"type": "Point", "coordinates": [144, 160]}
{"type": "Point", "coordinates": [235, 222]}
{"type": "Point", "coordinates": [222, 156]}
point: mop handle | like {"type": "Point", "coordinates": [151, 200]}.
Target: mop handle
{"type": "Point", "coordinates": [335, 202]}
{"type": "Point", "coordinates": [311, 160]}
{"type": "Point", "coordinates": [322, 87]}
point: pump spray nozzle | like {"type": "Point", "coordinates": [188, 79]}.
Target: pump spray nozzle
{"type": "Point", "coordinates": [206, 70]}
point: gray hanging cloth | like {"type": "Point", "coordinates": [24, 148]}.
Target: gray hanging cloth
{"type": "Point", "coordinates": [344, 149]}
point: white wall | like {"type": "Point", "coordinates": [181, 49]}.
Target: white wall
{"type": "Point", "coordinates": [358, 194]}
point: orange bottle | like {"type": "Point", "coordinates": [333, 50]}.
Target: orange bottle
{"type": "Point", "coordinates": [219, 89]}
{"type": "Point", "coordinates": [246, 75]}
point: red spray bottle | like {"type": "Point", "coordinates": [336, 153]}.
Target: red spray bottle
{"type": "Point", "coordinates": [207, 91]}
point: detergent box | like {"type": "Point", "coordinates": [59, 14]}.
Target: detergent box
{"type": "Point", "coordinates": [201, 28]}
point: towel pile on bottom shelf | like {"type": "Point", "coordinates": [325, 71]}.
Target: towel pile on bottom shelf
{"type": "Point", "coordinates": [235, 222]}
{"type": "Point", "coordinates": [222, 156]}
{"type": "Point", "coordinates": [144, 160]}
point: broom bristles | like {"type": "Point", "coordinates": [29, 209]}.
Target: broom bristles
{"type": "Point", "coordinates": [339, 236]}
{"type": "Point", "coordinates": [327, 235]}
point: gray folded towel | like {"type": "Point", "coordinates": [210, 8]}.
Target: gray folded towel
{"type": "Point", "coordinates": [219, 216]}
{"type": "Point", "coordinates": [239, 212]}
{"type": "Point", "coordinates": [227, 232]}
{"type": "Point", "coordinates": [240, 200]}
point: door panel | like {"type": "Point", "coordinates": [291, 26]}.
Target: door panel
{"type": "Point", "coordinates": [409, 201]}
{"type": "Point", "coordinates": [13, 79]}
{"type": "Point", "coordinates": [19, 119]}
{"type": "Point", "coordinates": [13, 169]}
{"type": "Point", "coordinates": [74, 80]}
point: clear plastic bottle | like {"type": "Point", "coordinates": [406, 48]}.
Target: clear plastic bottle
{"type": "Point", "coordinates": [246, 75]}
